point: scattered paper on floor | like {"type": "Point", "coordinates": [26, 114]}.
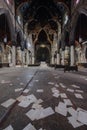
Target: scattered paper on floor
{"type": "Point", "coordinates": [21, 84]}
{"type": "Point", "coordinates": [68, 102]}
{"type": "Point", "coordinates": [79, 91]}
{"type": "Point", "coordinates": [8, 128]}
{"type": "Point", "coordinates": [70, 90]}
{"type": "Point", "coordinates": [78, 96]}
{"type": "Point", "coordinates": [75, 86]}
{"type": "Point", "coordinates": [62, 85]}
{"type": "Point", "coordinates": [51, 83]}
{"type": "Point", "coordinates": [72, 112]}
{"type": "Point", "coordinates": [74, 122]}
{"type": "Point", "coordinates": [40, 90]}
{"type": "Point", "coordinates": [82, 116]}
{"type": "Point", "coordinates": [61, 109]}
{"type": "Point", "coordinates": [26, 91]}
{"type": "Point", "coordinates": [63, 95]}
{"type": "Point", "coordinates": [24, 103]}
{"type": "Point", "coordinates": [29, 127]}
{"type": "Point", "coordinates": [18, 89]}
{"type": "Point", "coordinates": [8, 103]}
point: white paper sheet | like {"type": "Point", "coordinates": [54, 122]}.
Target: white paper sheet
{"type": "Point", "coordinates": [56, 95]}
{"type": "Point", "coordinates": [24, 103]}
{"type": "Point", "coordinates": [8, 128]}
{"type": "Point", "coordinates": [36, 80]}
{"type": "Point", "coordinates": [34, 114]}
{"type": "Point", "coordinates": [79, 91]}
{"type": "Point", "coordinates": [62, 85]}
{"type": "Point", "coordinates": [21, 84]}
{"type": "Point", "coordinates": [5, 82]}
{"type": "Point", "coordinates": [78, 96]}
{"type": "Point", "coordinates": [82, 117]}
{"type": "Point", "coordinates": [70, 90]}
{"type": "Point", "coordinates": [63, 95]}
{"type": "Point", "coordinates": [40, 90]}
{"type": "Point", "coordinates": [36, 106]}
{"type": "Point", "coordinates": [8, 103]}
{"type": "Point", "coordinates": [55, 91]}
{"type": "Point", "coordinates": [56, 85]}
{"type": "Point", "coordinates": [21, 98]}
{"type": "Point", "coordinates": [75, 86]}
{"type": "Point", "coordinates": [46, 112]}
{"type": "Point", "coordinates": [72, 112]}
{"type": "Point", "coordinates": [38, 101]}
{"type": "Point", "coordinates": [18, 89]}
{"type": "Point", "coordinates": [29, 127]}
{"type": "Point", "coordinates": [74, 123]}
{"type": "Point", "coordinates": [26, 91]}
{"type": "Point", "coordinates": [50, 83]}
{"type": "Point", "coordinates": [68, 102]}
{"type": "Point", "coordinates": [61, 109]}
{"type": "Point", "coordinates": [11, 84]}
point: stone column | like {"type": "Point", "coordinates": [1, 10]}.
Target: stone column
{"type": "Point", "coordinates": [19, 56]}
{"type": "Point", "coordinates": [58, 58]}
{"type": "Point", "coordinates": [63, 57]}
{"type": "Point", "coordinates": [13, 55]}
{"type": "Point", "coordinates": [72, 56]}
{"type": "Point", "coordinates": [23, 58]}
{"type": "Point", "coordinates": [67, 62]}
{"type": "Point", "coordinates": [52, 59]}
{"type": "Point", "coordinates": [33, 59]}
{"type": "Point", "coordinates": [27, 57]}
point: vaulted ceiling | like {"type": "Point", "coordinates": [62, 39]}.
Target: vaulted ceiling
{"type": "Point", "coordinates": [37, 14]}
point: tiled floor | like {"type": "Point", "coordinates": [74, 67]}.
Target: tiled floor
{"type": "Point", "coordinates": [53, 100]}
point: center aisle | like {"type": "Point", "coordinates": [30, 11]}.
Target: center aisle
{"type": "Point", "coordinates": [51, 101]}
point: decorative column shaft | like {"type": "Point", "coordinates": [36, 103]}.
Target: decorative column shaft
{"type": "Point", "coordinates": [14, 55]}
{"type": "Point", "coordinates": [27, 57]}
{"type": "Point", "coordinates": [58, 58]}
{"type": "Point", "coordinates": [63, 57]}
{"type": "Point", "coordinates": [72, 56]}
{"type": "Point", "coordinates": [19, 56]}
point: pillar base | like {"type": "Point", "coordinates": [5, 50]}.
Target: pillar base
{"type": "Point", "coordinates": [4, 65]}
{"type": "Point", "coordinates": [71, 68]}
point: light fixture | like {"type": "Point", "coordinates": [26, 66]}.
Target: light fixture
{"type": "Point", "coordinates": [42, 45]}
